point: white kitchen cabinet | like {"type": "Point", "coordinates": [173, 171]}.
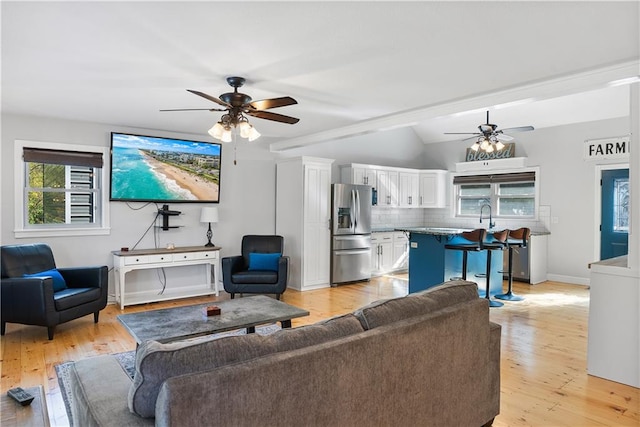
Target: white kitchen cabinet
{"type": "Point", "coordinates": [303, 210]}
{"type": "Point", "coordinates": [433, 188]}
{"type": "Point", "coordinates": [387, 186]}
{"type": "Point", "coordinates": [400, 251]}
{"type": "Point", "coordinates": [408, 189]}
{"type": "Point", "coordinates": [381, 252]}
{"type": "Point", "coordinates": [389, 252]}
{"type": "Point", "coordinates": [400, 187]}
{"type": "Point", "coordinates": [364, 176]}
{"type": "Point", "coordinates": [358, 174]}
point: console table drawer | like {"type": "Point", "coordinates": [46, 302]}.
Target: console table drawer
{"type": "Point", "coordinates": [195, 255]}
{"type": "Point", "coordinates": [148, 259]}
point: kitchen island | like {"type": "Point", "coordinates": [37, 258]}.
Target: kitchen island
{"type": "Point", "coordinates": [431, 264]}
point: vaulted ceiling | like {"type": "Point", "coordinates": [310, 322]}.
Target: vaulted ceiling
{"type": "Point", "coordinates": [353, 67]}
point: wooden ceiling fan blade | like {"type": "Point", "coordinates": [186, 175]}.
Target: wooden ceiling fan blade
{"type": "Point", "coordinates": [210, 98]}
{"type": "Point", "coordinates": [503, 137]}
{"type": "Point", "coordinates": [265, 104]}
{"type": "Point", "coordinates": [194, 109]}
{"type": "Point", "coordinates": [273, 116]}
{"type": "Point", "coordinates": [518, 129]}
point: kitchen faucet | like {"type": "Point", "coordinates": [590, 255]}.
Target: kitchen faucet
{"type": "Point", "coordinates": [486, 205]}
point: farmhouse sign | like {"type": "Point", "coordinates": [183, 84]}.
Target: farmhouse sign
{"type": "Point", "coordinates": [509, 150]}
{"type": "Point", "coordinates": [607, 148]}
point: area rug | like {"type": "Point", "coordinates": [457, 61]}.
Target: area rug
{"type": "Point", "coordinates": [128, 362]}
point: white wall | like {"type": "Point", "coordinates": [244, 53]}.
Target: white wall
{"type": "Point", "coordinates": [567, 187]}
{"type": "Point", "coordinates": [248, 188]}
{"type": "Point", "coordinates": [247, 199]}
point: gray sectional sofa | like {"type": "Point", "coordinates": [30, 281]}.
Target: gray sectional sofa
{"type": "Point", "coordinates": [428, 359]}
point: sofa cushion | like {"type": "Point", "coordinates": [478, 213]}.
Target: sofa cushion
{"type": "Point", "coordinates": [73, 297]}
{"type": "Point", "coordinates": [258, 261]}
{"type": "Point", "coordinates": [253, 277]}
{"type": "Point", "coordinates": [58, 281]}
{"type": "Point", "coordinates": [157, 362]}
{"type": "Point", "coordinates": [391, 310]}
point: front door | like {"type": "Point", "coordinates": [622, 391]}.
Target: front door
{"type": "Point", "coordinates": [614, 226]}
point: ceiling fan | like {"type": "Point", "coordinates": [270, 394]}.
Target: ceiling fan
{"type": "Point", "coordinates": [236, 105]}
{"type": "Point", "coordinates": [490, 137]}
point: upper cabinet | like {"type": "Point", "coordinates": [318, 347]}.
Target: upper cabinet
{"type": "Point", "coordinates": [433, 189]}
{"type": "Point", "coordinates": [409, 189]}
{"type": "Point", "coordinates": [400, 187]}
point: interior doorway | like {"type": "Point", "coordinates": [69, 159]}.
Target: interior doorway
{"type": "Point", "coordinates": [614, 211]}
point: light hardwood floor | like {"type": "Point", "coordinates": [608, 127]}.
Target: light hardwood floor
{"type": "Point", "coordinates": [544, 347]}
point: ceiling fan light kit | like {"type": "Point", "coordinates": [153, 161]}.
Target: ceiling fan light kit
{"type": "Point", "coordinates": [236, 106]}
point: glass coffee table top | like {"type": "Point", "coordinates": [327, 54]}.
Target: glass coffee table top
{"type": "Point", "coordinates": [177, 323]}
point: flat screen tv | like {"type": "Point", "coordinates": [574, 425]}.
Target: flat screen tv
{"type": "Point", "coordinates": [164, 170]}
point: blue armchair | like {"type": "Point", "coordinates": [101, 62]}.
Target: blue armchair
{"type": "Point", "coordinates": [261, 269]}
{"type": "Point", "coordinates": [35, 292]}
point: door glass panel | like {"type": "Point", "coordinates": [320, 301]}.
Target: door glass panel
{"type": "Point", "coordinates": [621, 205]}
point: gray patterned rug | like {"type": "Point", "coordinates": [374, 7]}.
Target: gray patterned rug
{"type": "Point", "coordinates": [128, 362]}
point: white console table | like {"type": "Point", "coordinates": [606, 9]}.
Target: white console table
{"type": "Point", "coordinates": [124, 262]}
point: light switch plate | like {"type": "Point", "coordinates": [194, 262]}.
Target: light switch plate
{"type": "Point", "coordinates": [414, 245]}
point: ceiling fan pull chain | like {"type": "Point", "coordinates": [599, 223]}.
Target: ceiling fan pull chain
{"type": "Point", "coordinates": [235, 147]}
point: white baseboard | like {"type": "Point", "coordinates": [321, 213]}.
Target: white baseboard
{"type": "Point", "coordinates": [573, 280]}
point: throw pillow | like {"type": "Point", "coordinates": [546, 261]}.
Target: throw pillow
{"type": "Point", "coordinates": [156, 362]}
{"type": "Point", "coordinates": [58, 281]}
{"type": "Point", "coordinates": [259, 261]}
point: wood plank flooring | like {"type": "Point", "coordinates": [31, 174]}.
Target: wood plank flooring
{"type": "Point", "coordinates": [544, 347]}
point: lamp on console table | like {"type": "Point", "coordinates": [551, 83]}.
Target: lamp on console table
{"type": "Point", "coordinates": [209, 214]}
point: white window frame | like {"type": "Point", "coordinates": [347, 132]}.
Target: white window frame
{"type": "Point", "coordinates": [494, 196]}
{"type": "Point", "coordinates": [22, 230]}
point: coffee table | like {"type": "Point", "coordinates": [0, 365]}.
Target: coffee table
{"type": "Point", "coordinates": [179, 323]}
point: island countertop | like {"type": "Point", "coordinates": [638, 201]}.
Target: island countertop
{"type": "Point", "coordinates": [453, 231]}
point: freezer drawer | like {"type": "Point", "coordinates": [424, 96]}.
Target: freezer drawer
{"type": "Point", "coordinates": [353, 241]}
{"type": "Point", "coordinates": [350, 265]}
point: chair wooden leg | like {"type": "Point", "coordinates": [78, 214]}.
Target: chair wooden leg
{"type": "Point", "coordinates": [95, 316]}
{"type": "Point", "coordinates": [278, 297]}
{"type": "Point", "coordinates": [233, 296]}
{"type": "Point", "coordinates": [50, 330]}
{"type": "Point", "coordinates": [3, 327]}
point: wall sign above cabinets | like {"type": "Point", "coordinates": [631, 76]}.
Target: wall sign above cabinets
{"type": "Point", "coordinates": [607, 148]}
{"type": "Point", "coordinates": [508, 151]}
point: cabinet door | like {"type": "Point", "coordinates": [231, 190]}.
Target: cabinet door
{"type": "Point", "coordinates": [408, 189]}
{"type": "Point", "coordinates": [317, 236]}
{"type": "Point", "coordinates": [433, 189]}
{"type": "Point", "coordinates": [387, 187]}
{"type": "Point", "coordinates": [386, 254]}
{"type": "Point", "coordinates": [400, 251]}
{"type": "Point", "coordinates": [363, 176]}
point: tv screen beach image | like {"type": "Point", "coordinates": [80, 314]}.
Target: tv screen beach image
{"type": "Point", "coordinates": [145, 168]}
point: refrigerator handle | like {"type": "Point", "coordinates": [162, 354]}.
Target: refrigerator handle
{"type": "Point", "coordinates": [354, 222]}
{"type": "Point", "coordinates": [357, 193]}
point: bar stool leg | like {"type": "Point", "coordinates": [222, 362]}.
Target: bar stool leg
{"type": "Point", "coordinates": [510, 296]}
{"type": "Point", "coordinates": [492, 303]}
{"type": "Point", "coordinates": [464, 265]}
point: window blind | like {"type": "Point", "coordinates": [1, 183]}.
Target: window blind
{"type": "Point", "coordinates": [495, 178]}
{"type": "Point", "coordinates": [61, 157]}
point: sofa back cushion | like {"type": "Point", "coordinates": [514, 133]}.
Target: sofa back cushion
{"type": "Point", "coordinates": [18, 260]}
{"type": "Point", "coordinates": [157, 362]}
{"type": "Point", "coordinates": [392, 310]}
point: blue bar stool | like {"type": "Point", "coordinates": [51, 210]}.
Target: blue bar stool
{"type": "Point", "coordinates": [476, 244]}
{"type": "Point", "coordinates": [517, 239]}
{"type": "Point", "coordinates": [499, 243]}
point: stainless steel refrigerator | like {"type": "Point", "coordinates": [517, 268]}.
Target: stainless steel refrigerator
{"type": "Point", "coordinates": [351, 233]}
